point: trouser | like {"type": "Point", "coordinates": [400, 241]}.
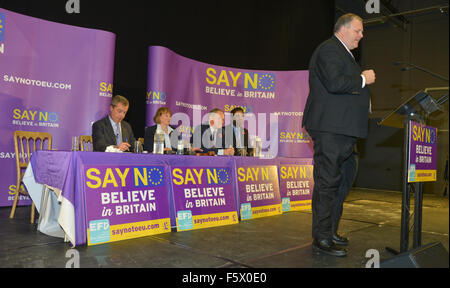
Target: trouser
{"type": "Point", "coordinates": [331, 151]}
{"type": "Point", "coordinates": [349, 170]}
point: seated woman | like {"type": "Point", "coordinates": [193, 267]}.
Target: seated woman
{"type": "Point", "coordinates": [162, 119]}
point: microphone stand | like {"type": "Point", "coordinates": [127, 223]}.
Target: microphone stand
{"type": "Point", "coordinates": [409, 65]}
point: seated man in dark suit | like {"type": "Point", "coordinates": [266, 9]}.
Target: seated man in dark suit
{"type": "Point", "coordinates": [209, 137]}
{"type": "Point", "coordinates": [112, 130]}
{"type": "Point", "coordinates": [162, 119]}
{"type": "Point", "coordinates": [239, 141]}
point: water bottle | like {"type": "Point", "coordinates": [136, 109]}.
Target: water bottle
{"type": "Point", "coordinates": [180, 147]}
{"type": "Point", "coordinates": [258, 147]}
{"type": "Point", "coordinates": [158, 142]}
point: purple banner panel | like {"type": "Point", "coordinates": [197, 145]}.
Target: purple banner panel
{"type": "Point", "coordinates": [273, 101]}
{"type": "Point", "coordinates": [203, 196]}
{"type": "Point", "coordinates": [296, 183]}
{"type": "Point", "coordinates": [124, 202]}
{"type": "Point", "coordinates": [54, 78]}
{"type": "Point", "coordinates": [422, 153]}
{"type": "Point", "coordinates": [258, 188]}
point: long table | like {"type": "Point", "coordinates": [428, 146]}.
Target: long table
{"type": "Point", "coordinates": [82, 180]}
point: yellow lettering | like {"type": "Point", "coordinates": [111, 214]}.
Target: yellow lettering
{"type": "Point", "coordinates": [428, 136]}
{"type": "Point", "coordinates": [25, 115]}
{"type": "Point", "coordinates": [248, 80]}
{"type": "Point", "coordinates": [212, 176]}
{"type": "Point", "coordinates": [223, 78]}
{"type": "Point", "coordinates": [199, 175]}
{"type": "Point", "coordinates": [302, 172]}
{"type": "Point", "coordinates": [105, 87]}
{"type": "Point", "coordinates": [43, 116]}
{"type": "Point", "coordinates": [176, 174]}
{"type": "Point", "coordinates": [235, 77]}
{"type": "Point", "coordinates": [250, 175]}
{"type": "Point", "coordinates": [211, 78]}
{"type": "Point", "coordinates": [102, 86]}
{"type": "Point", "coordinates": [265, 173]}
{"type": "Point", "coordinates": [16, 114]}
{"type": "Point", "coordinates": [33, 114]}
{"type": "Point", "coordinates": [283, 172]}
{"type": "Point", "coordinates": [122, 176]}
{"type": "Point", "coordinates": [109, 178]}
{"type": "Point", "coordinates": [290, 174]}
{"type": "Point", "coordinates": [138, 176]}
{"type": "Point", "coordinates": [241, 174]}
{"type": "Point", "coordinates": [189, 177]}
{"type": "Point", "coordinates": [415, 133]}
{"type": "Point", "coordinates": [98, 181]}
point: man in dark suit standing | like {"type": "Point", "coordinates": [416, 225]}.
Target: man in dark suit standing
{"type": "Point", "coordinates": [335, 115]}
{"type": "Point", "coordinates": [112, 130]}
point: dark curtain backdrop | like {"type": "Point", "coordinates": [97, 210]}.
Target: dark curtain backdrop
{"type": "Point", "coordinates": [252, 34]}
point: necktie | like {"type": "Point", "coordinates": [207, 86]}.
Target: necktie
{"type": "Point", "coordinates": [238, 138]}
{"type": "Point", "coordinates": [213, 134]}
{"type": "Point", "coordinates": [118, 136]}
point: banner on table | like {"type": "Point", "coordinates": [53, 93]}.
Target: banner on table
{"type": "Point", "coordinates": [203, 197]}
{"type": "Point", "coordinates": [54, 78]}
{"type": "Point", "coordinates": [296, 184]}
{"type": "Point", "coordinates": [273, 101]}
{"type": "Point", "coordinates": [422, 153]}
{"type": "Point", "coordinates": [124, 202]}
{"type": "Point", "coordinates": [258, 190]}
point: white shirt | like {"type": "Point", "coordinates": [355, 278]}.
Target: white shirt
{"type": "Point", "coordinates": [213, 133]}
{"type": "Point", "coordinates": [116, 131]}
{"type": "Point", "coordinates": [166, 135]}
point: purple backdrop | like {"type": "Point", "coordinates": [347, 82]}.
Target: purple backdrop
{"type": "Point", "coordinates": [54, 78]}
{"type": "Point", "coordinates": [194, 88]}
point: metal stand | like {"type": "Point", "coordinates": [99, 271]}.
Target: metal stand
{"type": "Point", "coordinates": [406, 197]}
{"type": "Point", "coordinates": [417, 108]}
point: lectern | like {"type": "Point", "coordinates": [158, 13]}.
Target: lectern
{"type": "Point", "coordinates": [416, 110]}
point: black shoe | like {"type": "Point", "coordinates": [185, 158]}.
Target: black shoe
{"type": "Point", "coordinates": [339, 240]}
{"type": "Point", "coordinates": [328, 247]}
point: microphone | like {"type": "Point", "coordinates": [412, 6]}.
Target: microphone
{"type": "Point", "coordinates": [410, 66]}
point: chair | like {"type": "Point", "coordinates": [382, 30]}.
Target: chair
{"type": "Point", "coordinates": [23, 155]}
{"type": "Point", "coordinates": [86, 143]}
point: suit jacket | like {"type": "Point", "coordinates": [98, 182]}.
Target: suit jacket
{"type": "Point", "coordinates": [150, 137]}
{"type": "Point", "coordinates": [201, 138]}
{"type": "Point", "coordinates": [337, 102]}
{"type": "Point", "coordinates": [233, 140]}
{"type": "Point", "coordinates": [103, 134]}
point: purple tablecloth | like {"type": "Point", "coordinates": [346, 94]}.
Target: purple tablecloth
{"type": "Point", "coordinates": [64, 170]}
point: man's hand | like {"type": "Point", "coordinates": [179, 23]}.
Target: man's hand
{"type": "Point", "coordinates": [124, 146]}
{"type": "Point", "coordinates": [229, 151]}
{"type": "Point", "coordinates": [369, 75]}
